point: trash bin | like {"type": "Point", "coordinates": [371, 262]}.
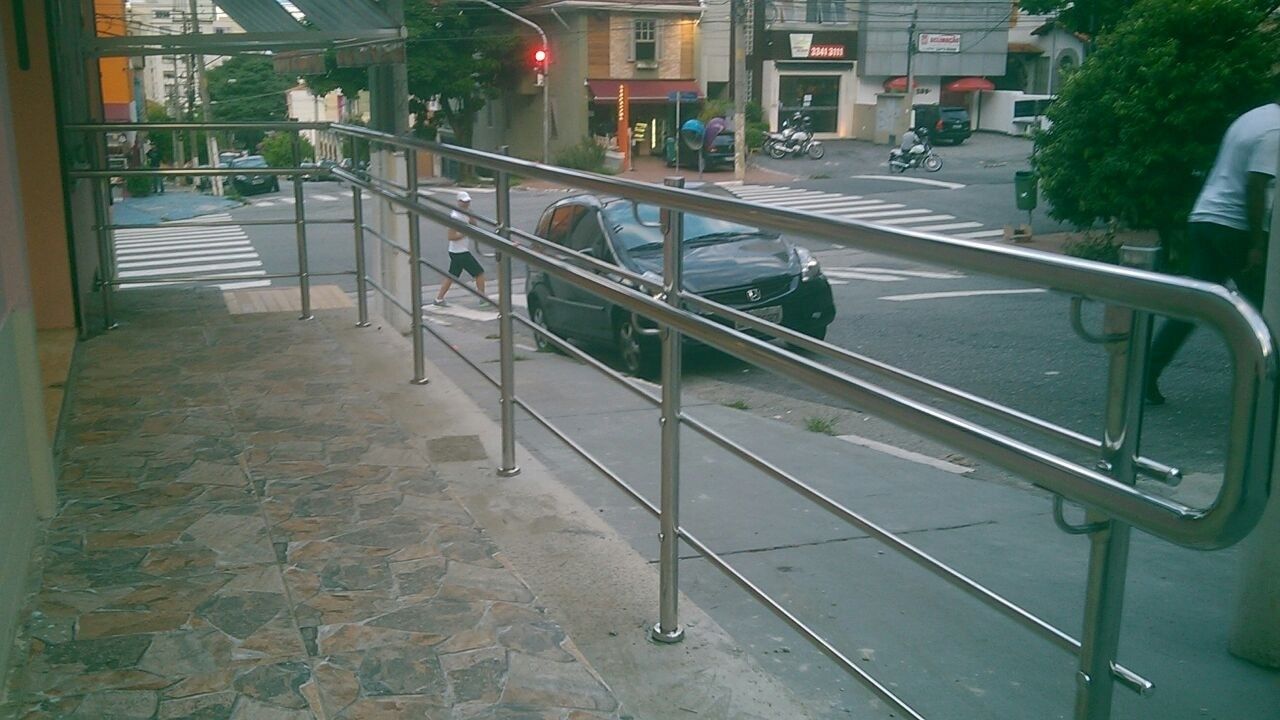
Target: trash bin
{"type": "Point", "coordinates": [1025, 189]}
{"type": "Point", "coordinates": [669, 151]}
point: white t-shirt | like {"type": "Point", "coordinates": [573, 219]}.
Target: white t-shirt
{"type": "Point", "coordinates": [460, 244]}
{"type": "Point", "coordinates": [1251, 144]}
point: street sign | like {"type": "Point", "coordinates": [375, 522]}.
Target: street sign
{"type": "Point", "coordinates": [938, 42]}
{"type": "Point", "coordinates": [685, 96]}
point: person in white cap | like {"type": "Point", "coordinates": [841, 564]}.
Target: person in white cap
{"type": "Point", "coordinates": [460, 258]}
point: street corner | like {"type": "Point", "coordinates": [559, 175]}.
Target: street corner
{"type": "Point", "coordinates": [168, 207]}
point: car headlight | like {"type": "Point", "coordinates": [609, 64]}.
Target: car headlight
{"type": "Point", "coordinates": [241, 178]}
{"type": "Point", "coordinates": [810, 268]}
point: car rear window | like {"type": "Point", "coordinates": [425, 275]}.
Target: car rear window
{"type": "Point", "coordinates": [955, 113]}
{"type": "Point", "coordinates": [251, 162]}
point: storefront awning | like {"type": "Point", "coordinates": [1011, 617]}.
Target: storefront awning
{"type": "Point", "coordinates": [606, 91]}
{"type": "Point", "coordinates": [969, 84]}
{"type": "Point", "coordinates": [898, 84]}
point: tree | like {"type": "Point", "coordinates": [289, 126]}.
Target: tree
{"type": "Point", "coordinates": [158, 113]}
{"type": "Point", "coordinates": [1136, 127]}
{"type": "Point", "coordinates": [1091, 17]}
{"type": "Point", "coordinates": [459, 53]}
{"type": "Point", "coordinates": [248, 88]}
{"type": "Point", "coordinates": [350, 81]}
{"type": "Point", "coordinates": [277, 149]}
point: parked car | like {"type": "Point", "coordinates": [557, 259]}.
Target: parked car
{"type": "Point", "coordinates": [318, 171]}
{"type": "Point", "coordinates": [718, 157]}
{"type": "Point", "coordinates": [251, 184]}
{"type": "Point", "coordinates": [737, 265]}
{"type": "Point", "coordinates": [945, 123]}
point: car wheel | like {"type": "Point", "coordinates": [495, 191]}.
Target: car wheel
{"type": "Point", "coordinates": [636, 353]}
{"type": "Point", "coordinates": [539, 317]}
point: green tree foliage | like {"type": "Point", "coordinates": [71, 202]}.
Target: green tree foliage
{"type": "Point", "coordinates": [1091, 17]}
{"type": "Point", "coordinates": [458, 53]}
{"type": "Point", "coordinates": [1139, 123]}
{"type": "Point", "coordinates": [248, 88]}
{"type": "Point", "coordinates": [349, 80]}
{"type": "Point", "coordinates": [157, 113]}
{"type": "Point", "coordinates": [277, 149]}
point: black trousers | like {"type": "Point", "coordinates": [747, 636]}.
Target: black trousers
{"type": "Point", "coordinates": [1217, 253]}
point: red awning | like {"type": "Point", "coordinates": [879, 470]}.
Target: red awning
{"type": "Point", "coordinates": [898, 84]}
{"type": "Point", "coordinates": [606, 91]}
{"type": "Point", "coordinates": [117, 112]}
{"type": "Point", "coordinates": [969, 84]}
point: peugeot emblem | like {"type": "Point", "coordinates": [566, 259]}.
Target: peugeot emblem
{"type": "Point", "coordinates": [753, 294]}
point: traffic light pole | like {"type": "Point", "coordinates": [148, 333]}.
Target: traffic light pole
{"type": "Point", "coordinates": [546, 102]}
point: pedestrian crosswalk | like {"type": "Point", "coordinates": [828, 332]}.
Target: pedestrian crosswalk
{"type": "Point", "coordinates": [201, 253]}
{"type": "Point", "coordinates": [856, 207]}
{"type": "Point", "coordinates": [287, 198]}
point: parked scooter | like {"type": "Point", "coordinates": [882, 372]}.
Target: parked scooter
{"type": "Point", "coordinates": [921, 154]}
{"type": "Point", "coordinates": [789, 127]}
{"type": "Point", "coordinates": [799, 142]}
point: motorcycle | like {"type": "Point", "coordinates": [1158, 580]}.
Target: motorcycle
{"type": "Point", "coordinates": [799, 142]}
{"type": "Point", "coordinates": [789, 128]}
{"type": "Point", "coordinates": [920, 155]}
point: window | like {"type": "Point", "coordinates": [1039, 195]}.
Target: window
{"type": "Point", "coordinates": [644, 44]}
{"type": "Point", "coordinates": [563, 221]}
{"type": "Point", "coordinates": [809, 11]}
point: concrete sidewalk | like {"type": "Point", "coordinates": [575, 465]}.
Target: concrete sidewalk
{"type": "Point", "coordinates": [259, 518]}
{"type": "Point", "coordinates": [176, 203]}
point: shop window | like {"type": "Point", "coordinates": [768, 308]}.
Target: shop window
{"type": "Point", "coordinates": [817, 96]}
{"type": "Point", "coordinates": [644, 41]}
{"type": "Point", "coordinates": [808, 11]}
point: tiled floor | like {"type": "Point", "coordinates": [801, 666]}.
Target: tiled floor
{"type": "Point", "coordinates": [243, 533]}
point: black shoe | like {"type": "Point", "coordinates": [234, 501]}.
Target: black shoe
{"type": "Point", "coordinates": [1152, 394]}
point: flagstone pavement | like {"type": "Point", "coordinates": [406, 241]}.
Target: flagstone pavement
{"type": "Point", "coordinates": [243, 533]}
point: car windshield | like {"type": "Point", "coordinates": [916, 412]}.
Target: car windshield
{"type": "Point", "coordinates": [251, 162]}
{"type": "Point", "coordinates": [637, 226]}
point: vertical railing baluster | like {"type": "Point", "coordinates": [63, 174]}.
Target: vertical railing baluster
{"type": "Point", "coordinates": [362, 292]}
{"type": "Point", "coordinates": [1109, 545]}
{"type": "Point", "coordinates": [506, 332]}
{"type": "Point", "coordinates": [668, 629]}
{"type": "Point", "coordinates": [415, 269]}
{"type": "Point", "coordinates": [300, 228]}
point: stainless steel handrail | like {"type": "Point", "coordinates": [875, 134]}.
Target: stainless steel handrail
{"type": "Point", "coordinates": [1246, 483]}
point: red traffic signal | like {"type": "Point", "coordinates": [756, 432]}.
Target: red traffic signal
{"type": "Point", "coordinates": [540, 61]}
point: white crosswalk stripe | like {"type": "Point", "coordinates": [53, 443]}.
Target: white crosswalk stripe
{"type": "Point", "coordinates": [203, 254]}
{"type": "Point", "coordinates": [855, 207]}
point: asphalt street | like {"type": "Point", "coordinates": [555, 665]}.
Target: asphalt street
{"type": "Point", "coordinates": [1000, 339]}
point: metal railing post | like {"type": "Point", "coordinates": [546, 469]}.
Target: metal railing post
{"type": "Point", "coordinates": [668, 629]}
{"type": "Point", "coordinates": [506, 333]}
{"type": "Point", "coordinates": [300, 226]}
{"type": "Point", "coordinates": [415, 270]}
{"type": "Point", "coordinates": [362, 292]}
{"type": "Point", "coordinates": [106, 258]}
{"type": "Point", "coordinates": [1109, 544]}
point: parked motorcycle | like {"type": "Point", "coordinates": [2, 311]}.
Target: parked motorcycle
{"type": "Point", "coordinates": [799, 142]}
{"type": "Point", "coordinates": [789, 127]}
{"type": "Point", "coordinates": [920, 155]}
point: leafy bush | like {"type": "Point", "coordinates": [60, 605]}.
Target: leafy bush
{"type": "Point", "coordinates": [138, 186]}
{"type": "Point", "coordinates": [755, 134]}
{"type": "Point", "coordinates": [1138, 124]}
{"type": "Point", "coordinates": [1095, 246]}
{"type": "Point", "coordinates": [586, 155]}
{"type": "Point", "coordinates": [277, 149]}
{"type": "Point", "coordinates": [718, 107]}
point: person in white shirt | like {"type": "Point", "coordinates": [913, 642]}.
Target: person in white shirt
{"type": "Point", "coordinates": [460, 258]}
{"type": "Point", "coordinates": [1227, 228]}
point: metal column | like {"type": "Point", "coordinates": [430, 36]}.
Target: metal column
{"type": "Point", "coordinates": [415, 270]}
{"type": "Point", "coordinates": [668, 629]}
{"type": "Point", "coordinates": [362, 292]}
{"type": "Point", "coordinates": [300, 225]}
{"type": "Point", "coordinates": [1109, 540]}
{"type": "Point", "coordinates": [106, 258]}
{"type": "Point", "coordinates": [506, 333]}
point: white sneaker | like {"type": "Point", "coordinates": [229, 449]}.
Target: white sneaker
{"type": "Point", "coordinates": [439, 302]}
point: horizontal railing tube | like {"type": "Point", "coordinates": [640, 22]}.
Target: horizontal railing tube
{"type": "Point", "coordinates": [1236, 510]}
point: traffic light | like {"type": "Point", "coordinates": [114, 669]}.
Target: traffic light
{"type": "Point", "coordinates": [540, 61]}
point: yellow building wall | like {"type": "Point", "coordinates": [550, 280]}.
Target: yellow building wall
{"type": "Point", "coordinates": [117, 79]}
{"type": "Point", "coordinates": [35, 125]}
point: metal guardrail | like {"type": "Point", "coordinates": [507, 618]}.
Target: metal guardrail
{"type": "Point", "coordinates": [1113, 504]}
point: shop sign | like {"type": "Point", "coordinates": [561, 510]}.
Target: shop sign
{"type": "Point", "coordinates": [938, 42]}
{"type": "Point", "coordinates": [803, 47]}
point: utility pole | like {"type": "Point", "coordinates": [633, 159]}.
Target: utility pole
{"type": "Point", "coordinates": [738, 16]}
{"type": "Point", "coordinates": [911, 71]}
{"type": "Point", "coordinates": [202, 84]}
{"type": "Point", "coordinates": [190, 115]}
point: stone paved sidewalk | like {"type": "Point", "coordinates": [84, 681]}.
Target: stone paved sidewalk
{"type": "Point", "coordinates": [243, 533]}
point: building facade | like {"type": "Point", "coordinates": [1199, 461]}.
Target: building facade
{"type": "Point", "coordinates": [168, 79]}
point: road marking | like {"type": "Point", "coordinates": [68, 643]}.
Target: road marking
{"type": "Point", "coordinates": [194, 251]}
{"type": "Point", "coordinates": [918, 181]}
{"type": "Point", "coordinates": [898, 452]}
{"type": "Point", "coordinates": [914, 273]}
{"type": "Point", "coordinates": [189, 239]}
{"type": "Point", "coordinates": [462, 312]}
{"type": "Point", "coordinates": [160, 262]}
{"type": "Point", "coordinates": [196, 269]}
{"type": "Point", "coordinates": [885, 214]}
{"type": "Point", "coordinates": [960, 293]}
{"type": "Point", "coordinates": [952, 226]}
{"type": "Point", "coordinates": [913, 220]}
{"type": "Point", "coordinates": [325, 198]}
{"type": "Point", "coordinates": [828, 207]}
{"type": "Point", "coordinates": [981, 234]}
{"type": "Point", "coordinates": [854, 275]}
{"type": "Point", "coordinates": [204, 254]}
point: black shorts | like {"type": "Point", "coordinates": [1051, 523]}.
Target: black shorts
{"type": "Point", "coordinates": [464, 261]}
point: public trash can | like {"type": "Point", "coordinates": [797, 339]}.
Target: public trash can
{"type": "Point", "coordinates": [1025, 188]}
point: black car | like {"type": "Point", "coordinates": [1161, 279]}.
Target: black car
{"type": "Point", "coordinates": [737, 265]}
{"type": "Point", "coordinates": [250, 184]}
{"type": "Point", "coordinates": [945, 123]}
